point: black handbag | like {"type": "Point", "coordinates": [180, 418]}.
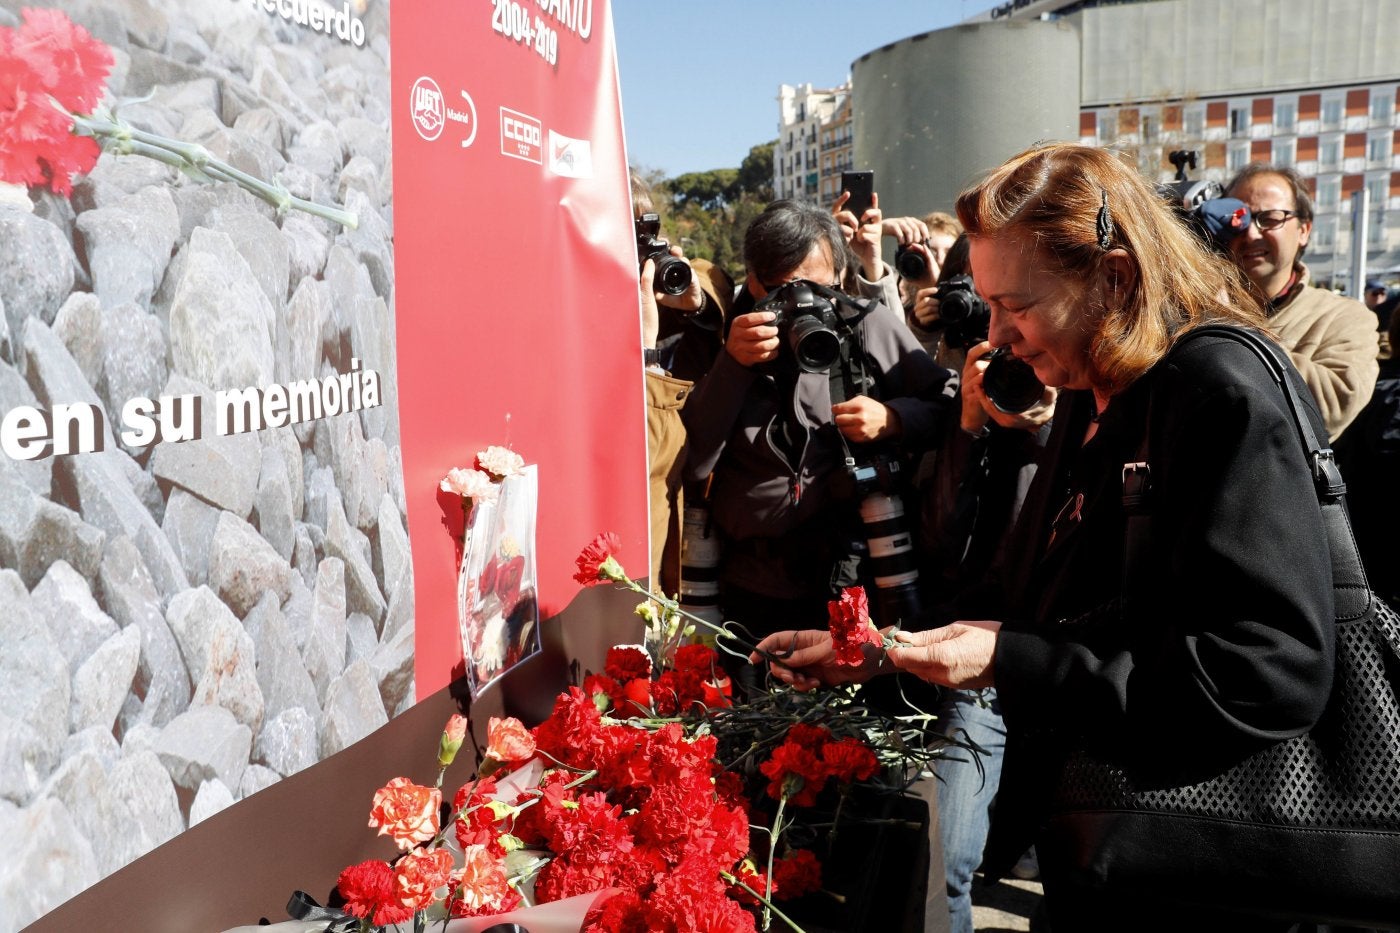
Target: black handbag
{"type": "Point", "coordinates": [1307, 829]}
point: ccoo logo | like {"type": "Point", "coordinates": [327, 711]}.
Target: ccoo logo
{"type": "Point", "coordinates": [521, 135]}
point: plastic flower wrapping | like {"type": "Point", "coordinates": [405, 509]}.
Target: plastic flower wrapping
{"type": "Point", "coordinates": [650, 797]}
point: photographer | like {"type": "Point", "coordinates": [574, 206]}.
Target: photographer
{"type": "Point", "coordinates": [683, 304]}
{"type": "Point", "coordinates": [920, 262]}
{"type": "Point", "coordinates": [776, 436]}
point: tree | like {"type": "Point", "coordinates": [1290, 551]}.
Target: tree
{"type": "Point", "coordinates": [756, 172]}
{"type": "Point", "coordinates": [709, 190]}
{"type": "Point", "coordinates": [706, 213]}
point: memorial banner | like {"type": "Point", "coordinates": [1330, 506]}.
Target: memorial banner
{"type": "Point", "coordinates": [258, 294]}
{"type": "Point", "coordinates": [517, 286]}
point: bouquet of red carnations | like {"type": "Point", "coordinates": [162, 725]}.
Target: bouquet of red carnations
{"type": "Point", "coordinates": [648, 782]}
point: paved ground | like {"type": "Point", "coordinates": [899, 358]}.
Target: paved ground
{"type": "Point", "coordinates": [1005, 906]}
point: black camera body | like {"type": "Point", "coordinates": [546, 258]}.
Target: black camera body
{"type": "Point", "coordinates": [964, 314]}
{"type": "Point", "coordinates": [910, 263]}
{"type": "Point", "coordinates": [1010, 383]}
{"type": "Point", "coordinates": [808, 322]}
{"type": "Point", "coordinates": [673, 274]}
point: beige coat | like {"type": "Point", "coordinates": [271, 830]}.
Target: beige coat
{"type": "Point", "coordinates": [1332, 340]}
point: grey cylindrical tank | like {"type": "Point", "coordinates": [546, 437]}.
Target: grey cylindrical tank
{"type": "Point", "coordinates": [933, 112]}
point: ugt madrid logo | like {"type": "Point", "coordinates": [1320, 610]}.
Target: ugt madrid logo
{"type": "Point", "coordinates": [427, 107]}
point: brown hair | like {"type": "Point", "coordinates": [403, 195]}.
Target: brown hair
{"type": "Point", "coordinates": [1302, 201]}
{"type": "Point", "coordinates": [939, 222]}
{"type": "Point", "coordinates": [641, 195]}
{"type": "Point", "coordinates": [1055, 197]}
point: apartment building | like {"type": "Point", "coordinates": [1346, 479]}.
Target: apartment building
{"type": "Point", "coordinates": [1310, 83]}
{"type": "Point", "coordinates": [814, 139]}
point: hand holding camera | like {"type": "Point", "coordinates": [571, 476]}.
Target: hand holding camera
{"type": "Point", "coordinates": [1010, 398]}
{"type": "Point", "coordinates": [753, 338]}
{"type": "Point", "coordinates": [672, 275]}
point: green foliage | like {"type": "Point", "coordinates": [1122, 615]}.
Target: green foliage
{"type": "Point", "coordinates": [708, 212]}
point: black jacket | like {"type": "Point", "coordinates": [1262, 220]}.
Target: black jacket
{"type": "Point", "coordinates": [1227, 641]}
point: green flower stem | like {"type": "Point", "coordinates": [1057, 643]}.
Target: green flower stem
{"type": "Point", "coordinates": [772, 850]}
{"type": "Point", "coordinates": [672, 606]}
{"type": "Point", "coordinates": [195, 160]}
{"type": "Point", "coordinates": [767, 902]}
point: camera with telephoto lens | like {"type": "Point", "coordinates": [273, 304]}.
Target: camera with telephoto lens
{"type": "Point", "coordinates": [889, 543]}
{"type": "Point", "coordinates": [1010, 383]}
{"type": "Point", "coordinates": [1202, 204]}
{"type": "Point", "coordinates": [672, 273]}
{"type": "Point", "coordinates": [807, 322]}
{"type": "Point", "coordinates": [910, 263]}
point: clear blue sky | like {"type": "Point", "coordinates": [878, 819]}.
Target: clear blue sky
{"type": "Point", "coordinates": [700, 77]}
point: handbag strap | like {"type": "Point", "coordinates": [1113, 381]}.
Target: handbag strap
{"type": "Point", "coordinates": [1352, 593]}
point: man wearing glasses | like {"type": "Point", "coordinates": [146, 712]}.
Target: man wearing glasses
{"type": "Point", "coordinates": [1331, 340]}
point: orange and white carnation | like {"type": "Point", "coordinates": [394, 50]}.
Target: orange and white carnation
{"type": "Point", "coordinates": [406, 812]}
{"type": "Point", "coordinates": [419, 875]}
{"type": "Point", "coordinates": [481, 886]}
{"type": "Point", "coordinates": [470, 484]}
{"type": "Point", "coordinates": [500, 462]}
{"type": "Point", "coordinates": [508, 741]}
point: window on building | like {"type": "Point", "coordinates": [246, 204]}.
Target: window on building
{"type": "Point", "coordinates": [1286, 152]}
{"type": "Point", "coordinates": [1193, 122]}
{"type": "Point", "coordinates": [1378, 149]}
{"type": "Point", "coordinates": [1329, 154]}
{"type": "Point", "coordinates": [1285, 116]}
{"type": "Point", "coordinates": [1382, 106]}
{"type": "Point", "coordinates": [1107, 126]}
{"type": "Point", "coordinates": [1324, 234]}
{"type": "Point", "coordinates": [1239, 121]}
{"type": "Point", "coordinates": [1375, 229]}
{"type": "Point", "coordinates": [1150, 127]}
{"type": "Point", "coordinates": [1331, 112]}
{"type": "Point", "coordinates": [1238, 157]}
{"type": "Point", "coordinates": [1329, 192]}
{"type": "Point", "coordinates": [1379, 190]}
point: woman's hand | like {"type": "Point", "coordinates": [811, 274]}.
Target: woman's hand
{"type": "Point", "coordinates": [957, 655]}
{"type": "Point", "coordinates": [977, 408]}
{"type": "Point", "coordinates": [809, 660]}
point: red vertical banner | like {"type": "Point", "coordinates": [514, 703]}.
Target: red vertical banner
{"type": "Point", "coordinates": [516, 286]}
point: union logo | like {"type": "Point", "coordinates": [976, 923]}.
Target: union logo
{"type": "Point", "coordinates": [427, 107]}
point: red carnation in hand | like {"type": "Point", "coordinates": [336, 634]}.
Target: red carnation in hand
{"type": "Point", "coordinates": [369, 892]}
{"type": "Point", "coordinates": [849, 621]}
{"type": "Point", "coordinates": [597, 563]}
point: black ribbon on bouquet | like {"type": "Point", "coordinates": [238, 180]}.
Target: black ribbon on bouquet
{"type": "Point", "coordinates": [303, 906]}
